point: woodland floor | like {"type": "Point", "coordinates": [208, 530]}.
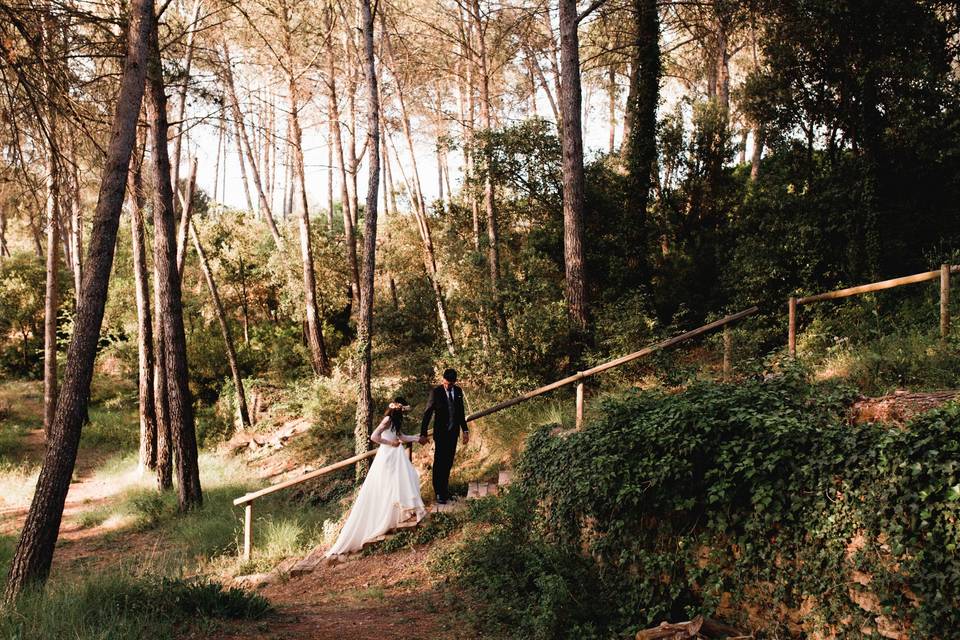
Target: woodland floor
{"type": "Point", "coordinates": [381, 596]}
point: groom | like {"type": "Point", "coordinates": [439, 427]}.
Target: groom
{"type": "Point", "coordinates": [445, 405]}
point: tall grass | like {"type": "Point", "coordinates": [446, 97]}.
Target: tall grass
{"type": "Point", "coordinates": [122, 605]}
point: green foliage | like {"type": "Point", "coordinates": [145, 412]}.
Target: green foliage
{"type": "Point", "coordinates": [759, 493]}
{"type": "Point", "coordinates": [22, 282]}
{"type": "Point", "coordinates": [121, 606]}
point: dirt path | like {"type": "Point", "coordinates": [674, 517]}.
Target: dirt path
{"type": "Point", "coordinates": [378, 597]}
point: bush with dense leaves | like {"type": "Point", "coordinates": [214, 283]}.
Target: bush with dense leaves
{"type": "Point", "coordinates": [726, 498]}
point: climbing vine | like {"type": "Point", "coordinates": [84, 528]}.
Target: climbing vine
{"type": "Point", "coordinates": [724, 499]}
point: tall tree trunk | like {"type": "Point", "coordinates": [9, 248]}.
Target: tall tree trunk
{"type": "Point", "coordinates": [76, 229]}
{"type": "Point", "coordinates": [430, 263]}
{"type": "Point", "coordinates": [640, 144]}
{"type": "Point", "coordinates": [224, 327]}
{"type": "Point", "coordinates": [348, 230]}
{"type": "Point", "coordinates": [364, 422]}
{"type": "Point", "coordinates": [243, 167]}
{"type": "Point", "coordinates": [186, 210]}
{"type": "Point", "coordinates": [148, 414]}
{"type": "Point", "coordinates": [245, 144]}
{"type": "Point", "coordinates": [573, 182]}
{"type": "Point", "coordinates": [4, 249]}
{"type": "Point", "coordinates": [489, 196]}
{"type": "Point", "coordinates": [612, 88]}
{"type": "Point", "coordinates": [34, 552]}
{"type": "Point", "coordinates": [757, 154]}
{"type": "Point", "coordinates": [318, 350]}
{"type": "Point", "coordinates": [216, 165]}
{"type": "Point", "coordinates": [182, 94]}
{"type": "Point", "coordinates": [189, 494]}
{"type": "Point", "coordinates": [161, 404]}
{"type": "Point", "coordinates": [53, 274]}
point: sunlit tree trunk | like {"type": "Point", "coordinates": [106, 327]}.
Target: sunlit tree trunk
{"type": "Point", "coordinates": [182, 96]}
{"type": "Point", "coordinates": [489, 195]}
{"type": "Point", "coordinates": [248, 150]}
{"type": "Point", "coordinates": [333, 110]}
{"type": "Point", "coordinates": [186, 210]}
{"type": "Point", "coordinates": [34, 552]}
{"type": "Point", "coordinates": [364, 422]}
{"type": "Point", "coordinates": [179, 403]}
{"type": "Point", "coordinates": [318, 350]}
{"type": "Point", "coordinates": [148, 414]}
{"type": "Point", "coordinates": [224, 327]}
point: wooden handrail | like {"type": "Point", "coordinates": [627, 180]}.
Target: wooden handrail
{"type": "Point", "coordinates": [248, 499]}
{"type": "Point", "coordinates": [876, 286]}
{"type": "Point", "coordinates": [614, 363]}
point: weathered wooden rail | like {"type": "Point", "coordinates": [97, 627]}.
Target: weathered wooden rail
{"type": "Point", "coordinates": [943, 273]}
{"type": "Point", "coordinates": [248, 499]}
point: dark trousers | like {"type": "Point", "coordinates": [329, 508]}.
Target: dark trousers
{"type": "Point", "coordinates": [444, 450]}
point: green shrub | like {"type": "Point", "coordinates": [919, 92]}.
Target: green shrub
{"type": "Point", "coordinates": [667, 505]}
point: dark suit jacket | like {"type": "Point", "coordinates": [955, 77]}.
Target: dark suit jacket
{"type": "Point", "coordinates": [438, 408]}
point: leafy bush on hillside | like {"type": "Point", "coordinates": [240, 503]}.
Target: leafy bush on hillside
{"type": "Point", "coordinates": [721, 499]}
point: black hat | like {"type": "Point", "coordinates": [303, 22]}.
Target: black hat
{"type": "Point", "coordinates": [450, 375]}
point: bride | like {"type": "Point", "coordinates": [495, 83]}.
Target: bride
{"type": "Point", "coordinates": [390, 495]}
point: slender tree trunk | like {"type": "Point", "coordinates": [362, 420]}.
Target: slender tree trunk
{"type": "Point", "coordinates": [4, 249]}
{"type": "Point", "coordinates": [216, 165]}
{"type": "Point", "coordinates": [179, 403]}
{"type": "Point", "coordinates": [53, 273]}
{"type": "Point", "coordinates": [573, 181]}
{"type": "Point", "coordinates": [186, 210]}
{"type": "Point", "coordinates": [330, 202]}
{"type": "Point", "coordinates": [245, 144]}
{"type": "Point", "coordinates": [148, 414]}
{"type": "Point", "coordinates": [430, 262]}
{"type": "Point", "coordinates": [224, 327]}
{"type": "Point", "coordinates": [318, 350]}
{"type": "Point", "coordinates": [640, 144]}
{"type": "Point", "coordinates": [348, 230]}
{"type": "Point", "coordinates": [243, 168]}
{"type": "Point", "coordinates": [489, 195]}
{"type": "Point", "coordinates": [76, 216]}
{"type": "Point", "coordinates": [612, 80]}
{"type": "Point", "coordinates": [757, 154]}
{"type": "Point", "coordinates": [34, 552]}
{"type": "Point", "coordinates": [182, 95]}
{"type": "Point", "coordinates": [364, 422]}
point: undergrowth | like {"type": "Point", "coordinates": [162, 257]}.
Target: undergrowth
{"type": "Point", "coordinates": [123, 606]}
{"type": "Point", "coordinates": [718, 500]}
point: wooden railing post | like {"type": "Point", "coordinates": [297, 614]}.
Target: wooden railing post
{"type": "Point", "coordinates": [727, 353]}
{"type": "Point", "coordinates": [944, 301]}
{"type": "Point", "coordinates": [247, 529]}
{"type": "Point", "coordinates": [792, 327]}
{"type": "Point", "coordinates": [579, 405]}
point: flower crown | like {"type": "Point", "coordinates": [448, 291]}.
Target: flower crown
{"type": "Point", "coordinates": [402, 407]}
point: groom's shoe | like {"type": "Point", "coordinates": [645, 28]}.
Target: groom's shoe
{"type": "Point", "coordinates": [441, 501]}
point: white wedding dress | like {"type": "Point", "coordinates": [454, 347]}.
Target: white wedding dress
{"type": "Point", "coordinates": [389, 495]}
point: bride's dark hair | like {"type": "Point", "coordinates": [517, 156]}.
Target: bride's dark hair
{"type": "Point", "coordinates": [395, 412]}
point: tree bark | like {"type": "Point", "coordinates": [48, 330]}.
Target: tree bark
{"type": "Point", "coordinates": [364, 422]}
{"type": "Point", "coordinates": [348, 230]}
{"type": "Point", "coordinates": [182, 96]}
{"type": "Point", "coordinates": [224, 327]}
{"type": "Point", "coordinates": [186, 210]}
{"type": "Point", "coordinates": [245, 145]}
{"type": "Point", "coordinates": [34, 552]}
{"type": "Point", "coordinates": [189, 494]}
{"type": "Point", "coordinates": [318, 350]}
{"type": "Point", "coordinates": [489, 195]}
{"type": "Point", "coordinates": [161, 404]}
{"type": "Point", "coordinates": [148, 414]}
{"type": "Point", "coordinates": [572, 168]}
{"type": "Point", "coordinates": [640, 144]}
{"type": "Point", "coordinates": [53, 273]}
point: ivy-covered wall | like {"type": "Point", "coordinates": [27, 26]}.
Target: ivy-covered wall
{"type": "Point", "coordinates": [756, 502]}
